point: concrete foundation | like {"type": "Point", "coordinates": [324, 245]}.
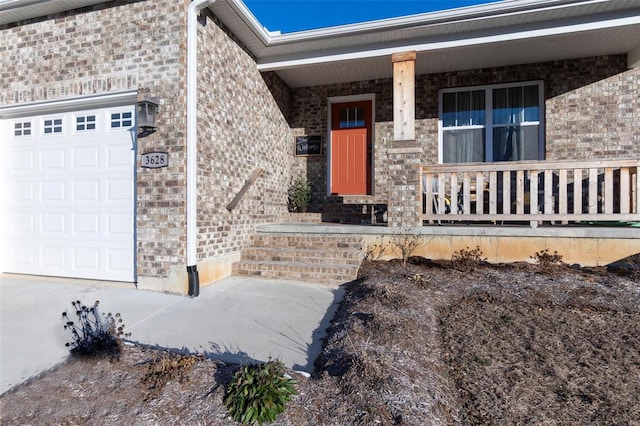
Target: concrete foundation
{"type": "Point", "coordinates": [584, 245]}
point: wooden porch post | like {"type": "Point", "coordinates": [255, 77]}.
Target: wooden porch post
{"type": "Point", "coordinates": [403, 155]}
{"type": "Point", "coordinates": [404, 96]}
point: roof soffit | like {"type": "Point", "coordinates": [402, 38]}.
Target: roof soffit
{"type": "Point", "coordinates": [497, 19]}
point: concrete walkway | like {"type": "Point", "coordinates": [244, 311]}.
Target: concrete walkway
{"type": "Point", "coordinates": [238, 319]}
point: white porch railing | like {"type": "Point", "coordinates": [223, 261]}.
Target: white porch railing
{"type": "Point", "coordinates": [555, 191]}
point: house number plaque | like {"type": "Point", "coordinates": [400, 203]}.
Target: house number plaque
{"type": "Point", "coordinates": [155, 160]}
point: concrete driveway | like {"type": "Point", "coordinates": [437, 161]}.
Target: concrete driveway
{"type": "Point", "coordinates": [238, 319]}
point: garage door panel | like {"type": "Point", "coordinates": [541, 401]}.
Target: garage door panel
{"type": "Point", "coordinates": [119, 224]}
{"type": "Point", "coordinates": [86, 157]}
{"type": "Point", "coordinates": [86, 190]}
{"type": "Point", "coordinates": [20, 192]}
{"type": "Point", "coordinates": [20, 254]}
{"type": "Point", "coordinates": [85, 259]}
{"type": "Point", "coordinates": [53, 192]}
{"type": "Point", "coordinates": [21, 223]}
{"type": "Point", "coordinates": [119, 259]}
{"type": "Point", "coordinates": [69, 195]}
{"type": "Point", "coordinates": [21, 161]}
{"type": "Point", "coordinates": [53, 223]}
{"type": "Point", "coordinates": [86, 224]}
{"type": "Point", "coordinates": [119, 156]}
{"type": "Point", "coordinates": [119, 190]}
{"type": "Point", "coordinates": [52, 160]}
{"type": "Point", "coordinates": [53, 257]}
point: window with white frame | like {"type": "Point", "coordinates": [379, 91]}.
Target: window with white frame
{"type": "Point", "coordinates": [492, 123]}
{"type": "Point", "coordinates": [22, 128]}
{"type": "Point", "coordinates": [52, 126]}
{"type": "Point", "coordinates": [121, 119]}
{"type": "Point", "coordinates": [85, 122]}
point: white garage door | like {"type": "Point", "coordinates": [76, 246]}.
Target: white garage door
{"type": "Point", "coordinates": [70, 194]}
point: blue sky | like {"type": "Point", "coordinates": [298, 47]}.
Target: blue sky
{"type": "Point", "coordinates": [297, 15]}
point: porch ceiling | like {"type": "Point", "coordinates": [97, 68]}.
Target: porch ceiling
{"type": "Point", "coordinates": [497, 34]}
{"type": "Point", "coordinates": [434, 59]}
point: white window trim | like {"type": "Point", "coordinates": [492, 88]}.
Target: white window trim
{"type": "Point", "coordinates": [22, 122]}
{"type": "Point", "coordinates": [121, 110]}
{"type": "Point", "coordinates": [489, 116]}
{"type": "Point", "coordinates": [85, 114]}
{"type": "Point", "coordinates": [53, 118]}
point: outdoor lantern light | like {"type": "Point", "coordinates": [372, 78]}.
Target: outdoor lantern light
{"type": "Point", "coordinates": [147, 111]}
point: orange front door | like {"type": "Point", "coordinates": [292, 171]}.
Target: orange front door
{"type": "Point", "coordinates": [351, 148]}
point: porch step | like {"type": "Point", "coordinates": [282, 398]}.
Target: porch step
{"type": "Point", "coordinates": [318, 258]}
{"type": "Point", "coordinates": [311, 256]}
{"type": "Point", "coordinates": [301, 218]}
{"type": "Point", "coordinates": [353, 211]}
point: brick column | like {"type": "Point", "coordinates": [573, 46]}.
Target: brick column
{"type": "Point", "coordinates": [405, 198]}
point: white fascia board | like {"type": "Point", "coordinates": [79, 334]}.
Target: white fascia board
{"type": "Point", "coordinates": [125, 97]}
{"type": "Point", "coordinates": [489, 10]}
{"type": "Point", "coordinates": [470, 13]}
{"type": "Point", "coordinates": [462, 42]}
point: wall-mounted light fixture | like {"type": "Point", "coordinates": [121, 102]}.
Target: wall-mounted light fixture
{"type": "Point", "coordinates": [147, 110]}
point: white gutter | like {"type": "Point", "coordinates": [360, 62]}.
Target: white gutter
{"type": "Point", "coordinates": [192, 165]}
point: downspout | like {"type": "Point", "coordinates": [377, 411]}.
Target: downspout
{"type": "Point", "coordinates": [192, 165]}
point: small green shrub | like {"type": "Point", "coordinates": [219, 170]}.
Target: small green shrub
{"type": "Point", "coordinates": [466, 260]}
{"type": "Point", "coordinates": [94, 334]}
{"type": "Point", "coordinates": [258, 393]}
{"type": "Point", "coordinates": [299, 194]}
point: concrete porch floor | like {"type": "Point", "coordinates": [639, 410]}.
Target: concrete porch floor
{"type": "Point", "coordinates": [587, 245]}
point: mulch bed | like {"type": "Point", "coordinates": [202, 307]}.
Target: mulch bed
{"type": "Point", "coordinates": [416, 344]}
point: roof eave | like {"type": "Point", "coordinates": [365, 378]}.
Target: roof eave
{"type": "Point", "coordinates": [514, 34]}
{"type": "Point", "coordinates": [493, 10]}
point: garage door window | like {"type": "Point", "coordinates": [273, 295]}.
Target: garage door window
{"type": "Point", "coordinates": [85, 122]}
{"type": "Point", "coordinates": [52, 126]}
{"type": "Point", "coordinates": [22, 128]}
{"type": "Point", "coordinates": [121, 119]}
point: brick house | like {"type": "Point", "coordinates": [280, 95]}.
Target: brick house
{"type": "Point", "coordinates": [527, 80]}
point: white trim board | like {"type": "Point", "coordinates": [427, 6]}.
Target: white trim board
{"type": "Point", "coordinates": [104, 100]}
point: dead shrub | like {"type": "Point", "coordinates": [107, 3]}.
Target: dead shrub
{"type": "Point", "coordinates": [420, 281]}
{"type": "Point", "coordinates": [546, 261]}
{"type": "Point", "coordinates": [467, 260]}
{"type": "Point", "coordinates": [375, 251]}
{"type": "Point", "coordinates": [388, 294]}
{"type": "Point", "coordinates": [405, 245]}
{"type": "Point", "coordinates": [164, 368]}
